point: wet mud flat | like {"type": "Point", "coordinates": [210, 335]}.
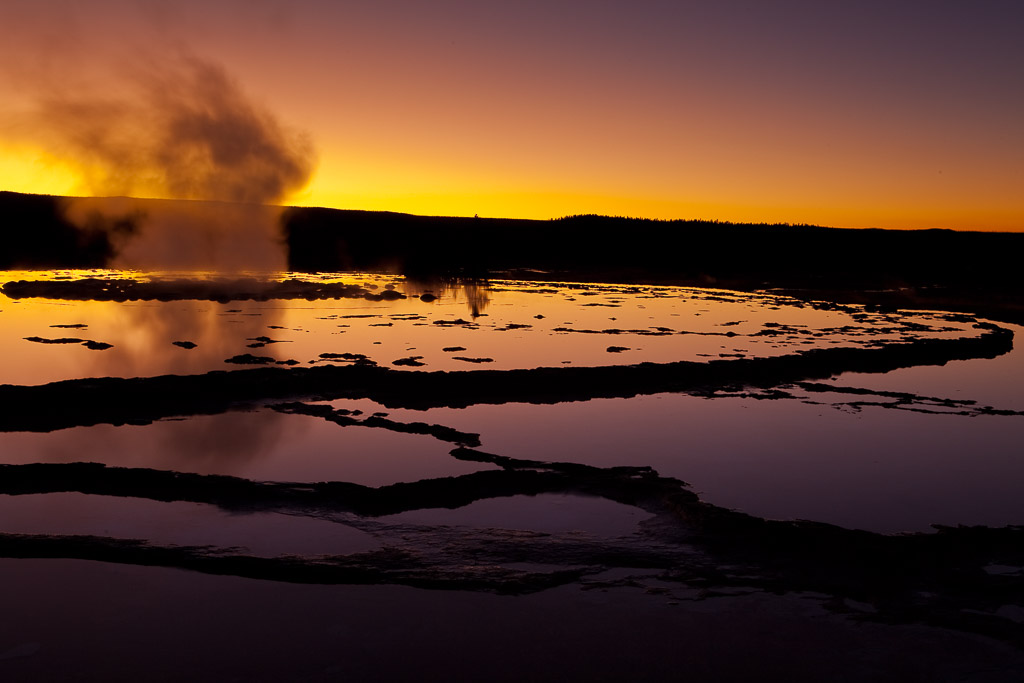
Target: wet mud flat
{"type": "Point", "coordinates": [684, 563]}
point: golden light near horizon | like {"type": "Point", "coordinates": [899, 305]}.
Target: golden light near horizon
{"type": "Point", "coordinates": [659, 111]}
{"type": "Point", "coordinates": [23, 169]}
{"type": "Point", "coordinates": [37, 172]}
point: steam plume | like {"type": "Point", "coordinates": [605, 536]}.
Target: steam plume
{"type": "Point", "coordinates": [179, 129]}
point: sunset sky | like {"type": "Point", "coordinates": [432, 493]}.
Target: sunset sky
{"type": "Point", "coordinates": [892, 114]}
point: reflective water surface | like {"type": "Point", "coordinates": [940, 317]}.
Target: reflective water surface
{"type": "Point", "coordinates": [330, 445]}
{"type": "Point", "coordinates": [860, 460]}
{"type": "Point", "coordinates": [501, 326]}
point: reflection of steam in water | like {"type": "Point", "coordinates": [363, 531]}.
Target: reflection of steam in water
{"type": "Point", "coordinates": [148, 329]}
{"type": "Point", "coordinates": [220, 443]}
{"type": "Point", "coordinates": [476, 296]}
{"type": "Point", "coordinates": [474, 289]}
{"type": "Point", "coordinates": [227, 442]}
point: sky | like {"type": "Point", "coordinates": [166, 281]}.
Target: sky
{"type": "Point", "coordinates": [888, 114]}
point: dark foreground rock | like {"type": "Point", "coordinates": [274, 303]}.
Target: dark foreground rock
{"type": "Point", "coordinates": [221, 290]}
{"type": "Point", "coordinates": [249, 359]}
{"type": "Point", "coordinates": [87, 343]}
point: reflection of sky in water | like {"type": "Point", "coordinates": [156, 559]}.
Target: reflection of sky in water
{"type": "Point", "coordinates": [178, 523]}
{"type": "Point", "coordinates": [996, 381]}
{"type": "Point", "coordinates": [263, 446]}
{"type": "Point", "coordinates": [521, 325]}
{"type": "Point", "coordinates": [544, 513]}
{"type": "Point", "coordinates": [876, 468]}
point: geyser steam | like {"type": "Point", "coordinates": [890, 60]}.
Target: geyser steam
{"type": "Point", "coordinates": [181, 129]}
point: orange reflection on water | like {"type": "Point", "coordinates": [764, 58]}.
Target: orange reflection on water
{"type": "Point", "coordinates": [792, 444]}
{"type": "Point", "coordinates": [505, 325]}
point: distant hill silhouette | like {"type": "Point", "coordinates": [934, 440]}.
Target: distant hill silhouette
{"type": "Point", "coordinates": [35, 233]}
{"type": "Point", "coordinates": [633, 249]}
{"type": "Point", "coordinates": [925, 268]}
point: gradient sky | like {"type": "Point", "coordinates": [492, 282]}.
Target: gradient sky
{"type": "Point", "coordinates": [892, 114]}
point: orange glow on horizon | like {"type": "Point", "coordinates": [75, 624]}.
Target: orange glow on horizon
{"type": "Point", "coordinates": [35, 172]}
{"type": "Point", "coordinates": [406, 191]}
{"type": "Point", "coordinates": [667, 111]}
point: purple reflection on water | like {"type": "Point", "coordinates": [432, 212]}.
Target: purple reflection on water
{"type": "Point", "coordinates": [546, 513]}
{"type": "Point", "coordinates": [872, 467]}
{"type": "Point", "coordinates": [264, 446]}
{"type": "Point", "coordinates": [179, 523]}
{"type": "Point", "coordinates": [878, 469]}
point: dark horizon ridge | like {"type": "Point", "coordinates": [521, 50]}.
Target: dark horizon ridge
{"type": "Point", "coordinates": [930, 269]}
{"type": "Point", "coordinates": [642, 219]}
